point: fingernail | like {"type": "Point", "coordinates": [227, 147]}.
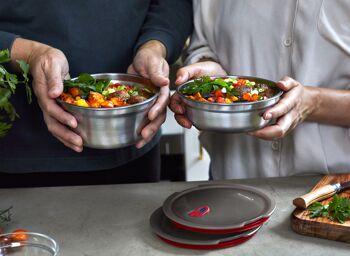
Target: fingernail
{"type": "Point", "coordinates": [283, 83]}
{"type": "Point", "coordinates": [180, 111]}
{"type": "Point", "coordinates": [268, 116]}
{"type": "Point", "coordinates": [140, 144]}
{"type": "Point", "coordinates": [178, 79]}
{"type": "Point", "coordinates": [79, 149]}
{"type": "Point", "coordinates": [71, 124]}
{"type": "Point", "coordinates": [53, 90]}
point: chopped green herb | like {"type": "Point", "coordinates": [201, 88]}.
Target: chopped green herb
{"type": "Point", "coordinates": [337, 210]}
{"type": "Point", "coordinates": [85, 82]}
{"type": "Point", "coordinates": [133, 93]}
{"type": "Point", "coordinates": [205, 85]}
{"type": "Point", "coordinates": [120, 87]}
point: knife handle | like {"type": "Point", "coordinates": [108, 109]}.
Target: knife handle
{"type": "Point", "coordinates": [314, 196]}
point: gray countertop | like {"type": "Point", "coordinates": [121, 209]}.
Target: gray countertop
{"type": "Point", "coordinates": [113, 219]}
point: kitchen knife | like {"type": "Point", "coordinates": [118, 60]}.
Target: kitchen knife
{"type": "Point", "coordinates": [319, 194]}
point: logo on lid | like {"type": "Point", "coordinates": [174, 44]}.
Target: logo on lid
{"type": "Point", "coordinates": [200, 211]}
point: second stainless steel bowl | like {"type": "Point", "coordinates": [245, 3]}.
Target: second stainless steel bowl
{"type": "Point", "coordinates": [232, 118]}
{"type": "Point", "coordinates": [107, 128]}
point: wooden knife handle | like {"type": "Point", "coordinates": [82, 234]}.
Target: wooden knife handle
{"type": "Point", "coordinates": [314, 196]}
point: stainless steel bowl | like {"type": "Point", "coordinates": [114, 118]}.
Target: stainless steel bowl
{"type": "Point", "coordinates": [107, 128]}
{"type": "Point", "coordinates": [233, 118]}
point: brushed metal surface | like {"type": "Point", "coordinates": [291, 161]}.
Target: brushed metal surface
{"type": "Point", "coordinates": [234, 118]}
{"type": "Point", "coordinates": [107, 128]}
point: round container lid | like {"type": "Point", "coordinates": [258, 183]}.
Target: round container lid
{"type": "Point", "coordinates": [218, 207]}
{"type": "Point", "coordinates": [168, 232]}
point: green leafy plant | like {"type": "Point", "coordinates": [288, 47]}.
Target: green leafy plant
{"type": "Point", "coordinates": [5, 215]}
{"type": "Point", "coordinates": [8, 84]}
{"type": "Point", "coordinates": [205, 85]}
{"type": "Point", "coordinates": [85, 82]}
{"type": "Point", "coordinates": [337, 210]}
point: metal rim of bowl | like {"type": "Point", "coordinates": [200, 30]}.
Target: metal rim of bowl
{"type": "Point", "coordinates": [140, 104]}
{"type": "Point", "coordinates": [231, 106]}
{"type": "Point", "coordinates": [55, 247]}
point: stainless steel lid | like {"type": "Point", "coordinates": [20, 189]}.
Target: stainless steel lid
{"type": "Point", "coordinates": [219, 207]}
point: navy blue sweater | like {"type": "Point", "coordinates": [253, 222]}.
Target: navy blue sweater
{"type": "Point", "coordinates": [96, 36]}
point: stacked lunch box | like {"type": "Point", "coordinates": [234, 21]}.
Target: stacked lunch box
{"type": "Point", "coordinates": [212, 216]}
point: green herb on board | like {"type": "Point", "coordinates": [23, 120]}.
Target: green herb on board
{"type": "Point", "coordinates": [337, 210]}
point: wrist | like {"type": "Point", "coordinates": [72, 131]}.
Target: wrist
{"type": "Point", "coordinates": [156, 47]}
{"type": "Point", "coordinates": [27, 50]}
{"type": "Point", "coordinates": [315, 99]}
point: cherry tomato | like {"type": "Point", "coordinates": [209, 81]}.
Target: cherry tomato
{"type": "Point", "coordinates": [218, 93]}
{"type": "Point", "coordinates": [18, 235]}
{"type": "Point", "coordinates": [74, 91]}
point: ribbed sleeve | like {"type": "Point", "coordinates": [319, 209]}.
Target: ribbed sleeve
{"type": "Point", "coordinates": [169, 22]}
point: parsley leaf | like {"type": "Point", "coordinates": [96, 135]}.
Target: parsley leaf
{"type": "Point", "coordinates": [337, 210]}
{"type": "Point", "coordinates": [86, 83]}
{"type": "Point", "coordinates": [8, 84]}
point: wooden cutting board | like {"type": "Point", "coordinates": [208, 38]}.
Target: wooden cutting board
{"type": "Point", "coordinates": [323, 227]}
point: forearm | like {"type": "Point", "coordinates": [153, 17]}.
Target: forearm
{"type": "Point", "coordinates": [169, 22]}
{"type": "Point", "coordinates": [332, 106]}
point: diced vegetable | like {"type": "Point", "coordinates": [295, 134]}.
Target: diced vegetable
{"type": "Point", "coordinates": [86, 91]}
{"type": "Point", "coordinates": [227, 90]}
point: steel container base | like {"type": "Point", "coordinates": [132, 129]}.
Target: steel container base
{"type": "Point", "coordinates": [236, 117]}
{"type": "Point", "coordinates": [226, 122]}
{"type": "Point", "coordinates": [110, 128]}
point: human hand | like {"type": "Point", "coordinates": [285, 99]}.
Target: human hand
{"type": "Point", "coordinates": [49, 67]}
{"type": "Point", "coordinates": [150, 62]}
{"type": "Point", "coordinates": [208, 68]}
{"type": "Point", "coordinates": [296, 104]}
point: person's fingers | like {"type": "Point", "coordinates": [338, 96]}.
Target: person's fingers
{"type": "Point", "coordinates": [151, 129]}
{"type": "Point", "coordinates": [286, 104]}
{"type": "Point", "coordinates": [183, 121]}
{"type": "Point", "coordinates": [161, 104]}
{"type": "Point", "coordinates": [158, 72]}
{"type": "Point", "coordinates": [208, 68]}
{"type": "Point", "coordinates": [278, 130]}
{"type": "Point", "coordinates": [287, 83]}
{"type": "Point", "coordinates": [71, 146]}
{"type": "Point", "coordinates": [176, 104]}
{"type": "Point", "coordinates": [50, 107]}
{"type": "Point", "coordinates": [65, 135]}
{"type": "Point", "coordinates": [186, 73]}
{"type": "Point", "coordinates": [131, 70]}
{"type": "Point", "coordinates": [54, 80]}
